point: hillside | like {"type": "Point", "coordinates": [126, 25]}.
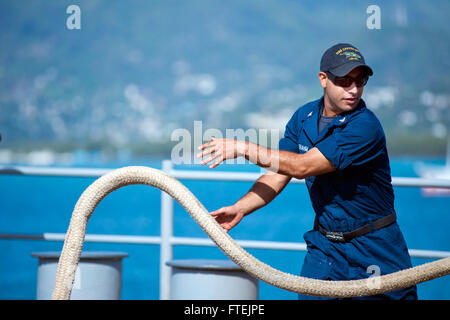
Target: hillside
{"type": "Point", "coordinates": [138, 70]}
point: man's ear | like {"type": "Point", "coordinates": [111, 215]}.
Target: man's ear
{"type": "Point", "coordinates": [323, 79]}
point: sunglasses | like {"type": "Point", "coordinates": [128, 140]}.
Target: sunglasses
{"type": "Point", "coordinates": [347, 81]}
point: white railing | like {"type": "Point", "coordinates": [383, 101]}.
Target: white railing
{"type": "Point", "coordinates": [167, 240]}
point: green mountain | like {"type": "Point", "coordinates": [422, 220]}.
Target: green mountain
{"type": "Point", "coordinates": [138, 70]}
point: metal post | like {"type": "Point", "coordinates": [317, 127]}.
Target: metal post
{"type": "Point", "coordinates": [98, 275]}
{"type": "Point", "coordinates": [166, 252]}
{"type": "Point", "coordinates": [199, 279]}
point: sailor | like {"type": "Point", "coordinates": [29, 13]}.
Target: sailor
{"type": "Point", "coordinates": [338, 146]}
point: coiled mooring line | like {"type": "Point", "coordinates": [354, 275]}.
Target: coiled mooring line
{"type": "Point", "coordinates": [118, 178]}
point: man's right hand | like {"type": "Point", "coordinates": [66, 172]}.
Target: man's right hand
{"type": "Point", "coordinates": [228, 217]}
{"type": "Point", "coordinates": [264, 190]}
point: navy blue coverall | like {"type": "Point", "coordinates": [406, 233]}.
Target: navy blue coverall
{"type": "Point", "coordinates": [358, 192]}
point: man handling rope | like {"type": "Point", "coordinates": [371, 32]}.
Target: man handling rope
{"type": "Point", "coordinates": [338, 146]}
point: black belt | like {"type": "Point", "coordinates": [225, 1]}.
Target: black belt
{"type": "Point", "coordinates": [367, 228]}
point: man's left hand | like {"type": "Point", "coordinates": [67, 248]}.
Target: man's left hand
{"type": "Point", "coordinates": [220, 150]}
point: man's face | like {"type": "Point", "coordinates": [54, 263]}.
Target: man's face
{"type": "Point", "coordinates": [339, 99]}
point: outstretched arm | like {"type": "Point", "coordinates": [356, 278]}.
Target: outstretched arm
{"type": "Point", "coordinates": [300, 166]}
{"type": "Point", "coordinates": [263, 191]}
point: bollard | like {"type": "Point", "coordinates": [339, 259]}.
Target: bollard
{"type": "Point", "coordinates": [98, 276]}
{"type": "Point", "coordinates": [211, 280]}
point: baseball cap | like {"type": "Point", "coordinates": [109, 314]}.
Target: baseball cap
{"type": "Point", "coordinates": [341, 59]}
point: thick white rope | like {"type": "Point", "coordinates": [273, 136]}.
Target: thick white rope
{"type": "Point", "coordinates": [116, 179]}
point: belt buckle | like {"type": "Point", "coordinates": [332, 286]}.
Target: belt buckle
{"type": "Point", "coordinates": [335, 236]}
